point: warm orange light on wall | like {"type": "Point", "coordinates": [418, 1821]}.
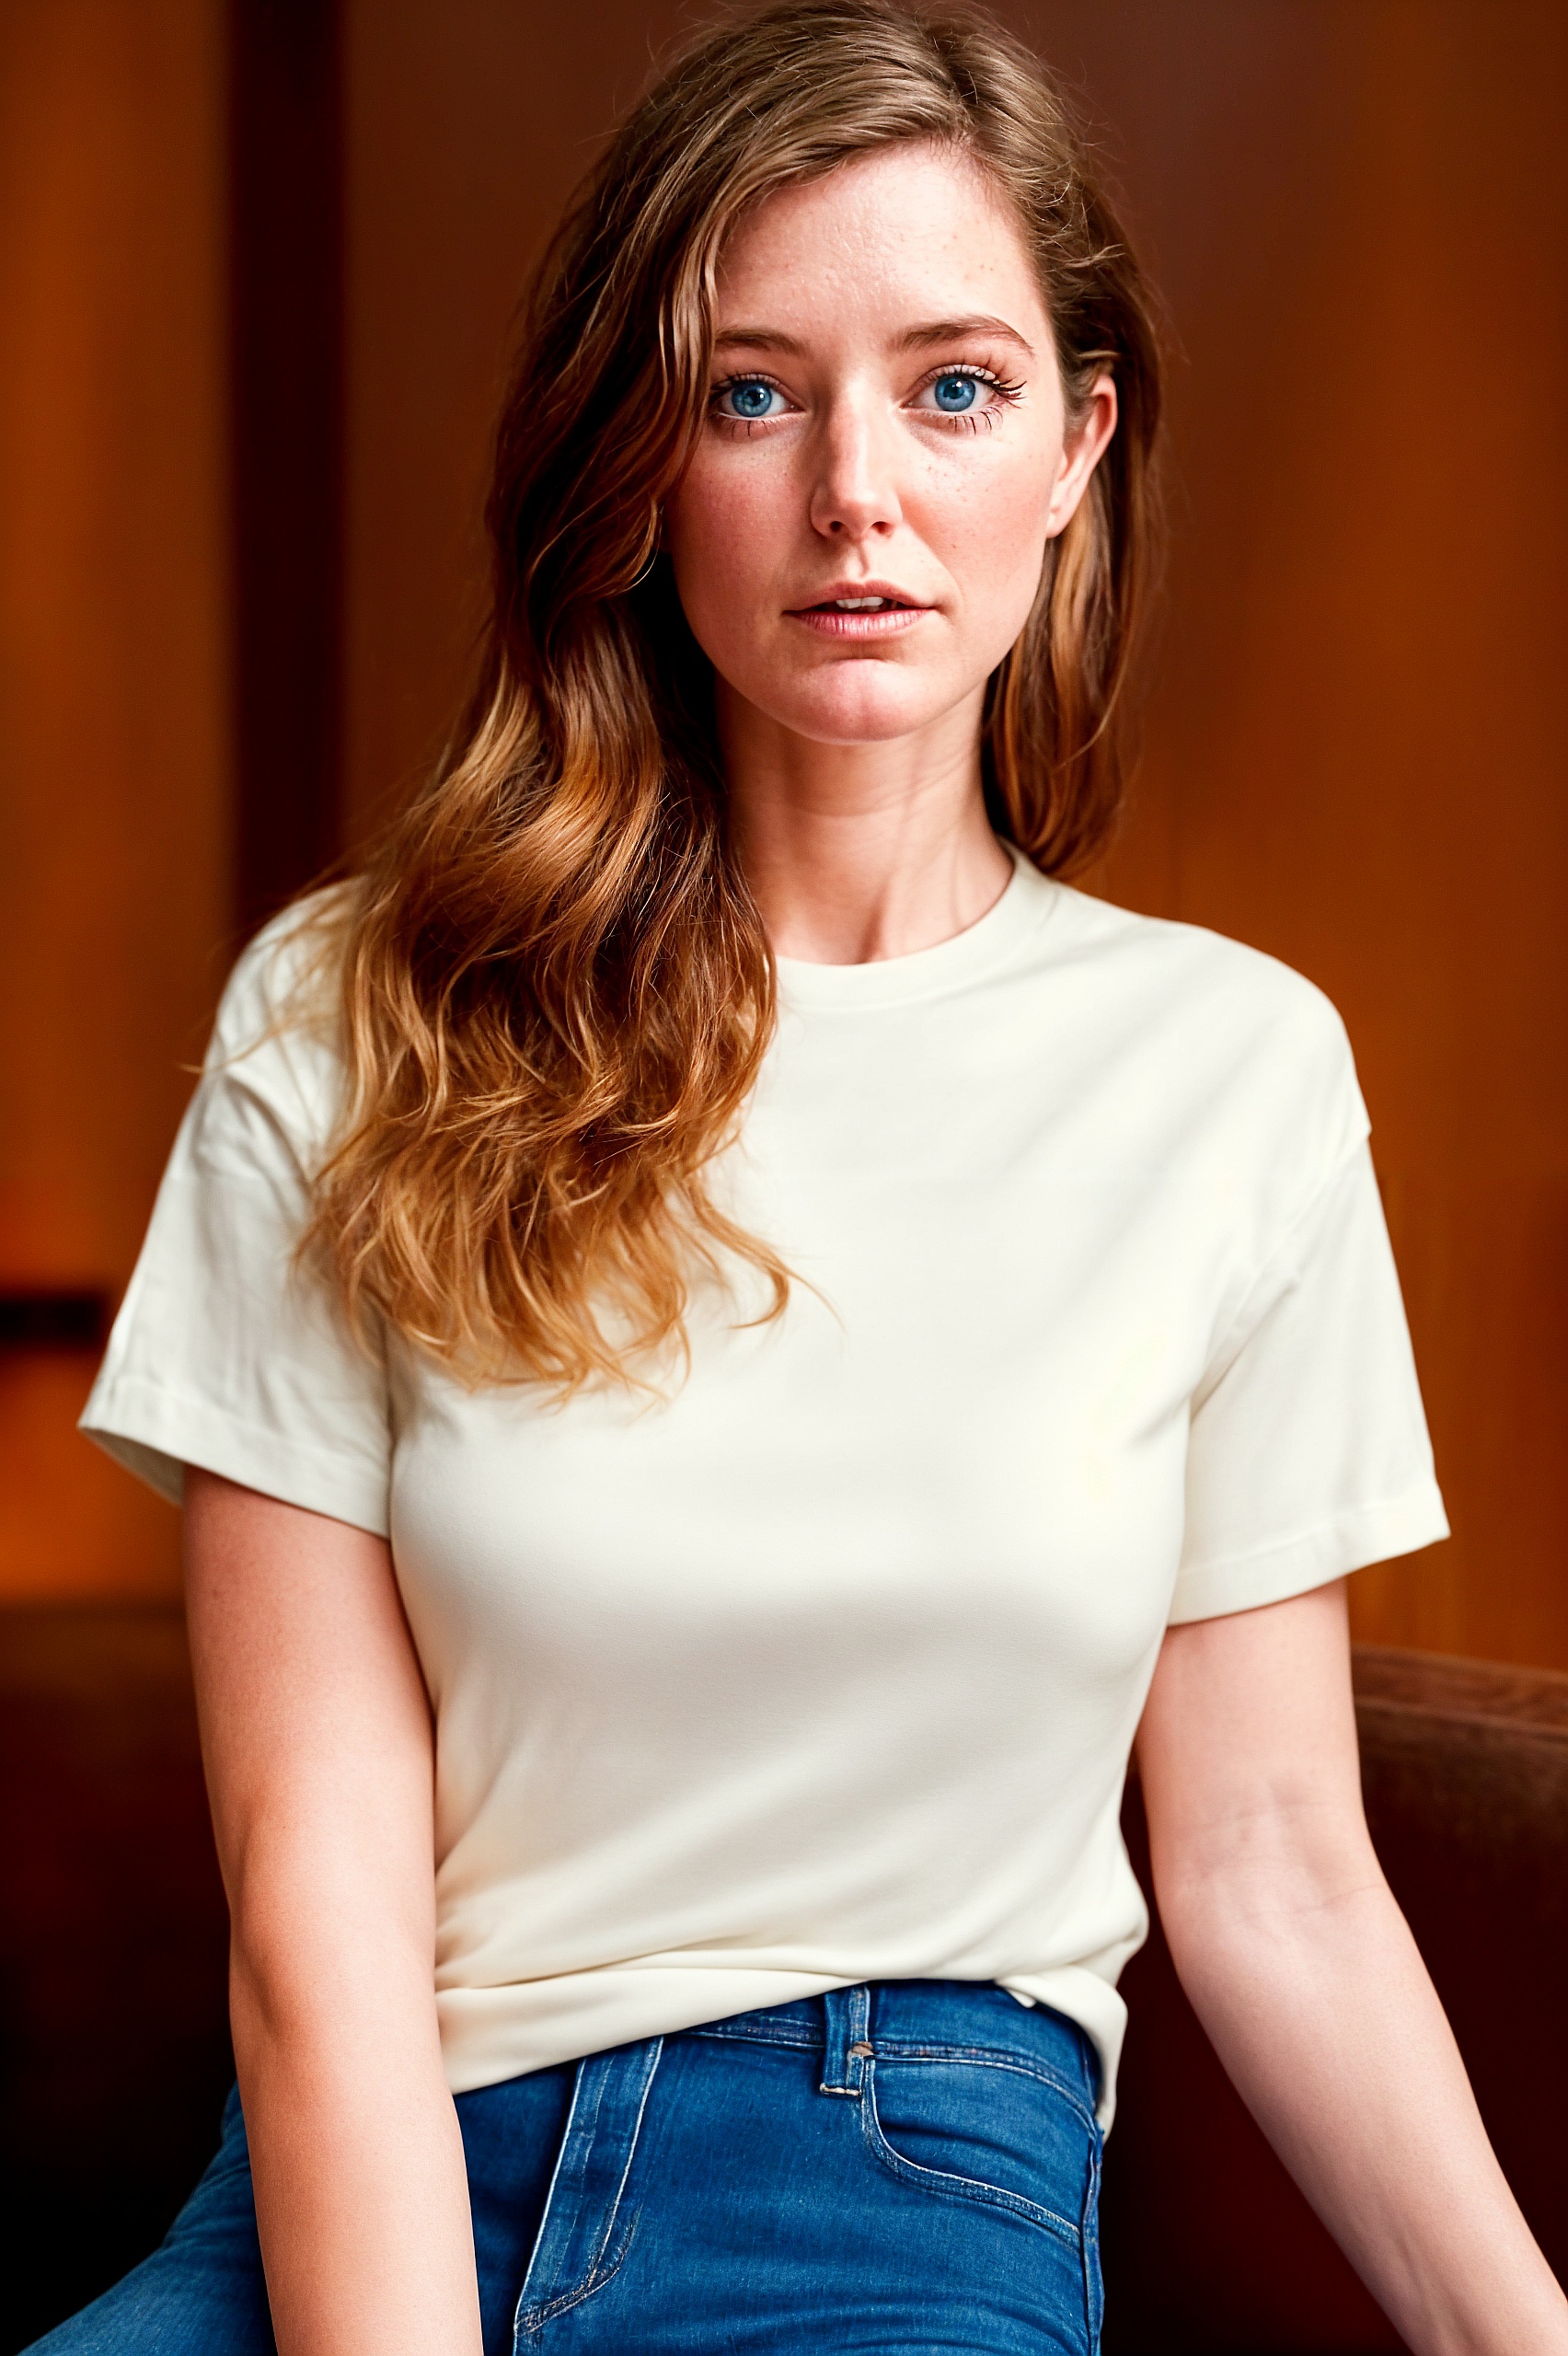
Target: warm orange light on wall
{"type": "Point", "coordinates": [113, 701]}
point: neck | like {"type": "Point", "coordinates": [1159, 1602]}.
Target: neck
{"type": "Point", "coordinates": [856, 853]}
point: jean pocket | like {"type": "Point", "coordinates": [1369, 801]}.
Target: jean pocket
{"type": "Point", "coordinates": [991, 2132]}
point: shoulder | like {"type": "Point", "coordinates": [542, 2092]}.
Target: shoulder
{"type": "Point", "coordinates": [1221, 1031]}
{"type": "Point", "coordinates": [285, 978]}
{"type": "Point", "coordinates": [275, 1041]}
{"type": "Point", "coordinates": [1184, 976]}
{"type": "Point", "coordinates": [1207, 974]}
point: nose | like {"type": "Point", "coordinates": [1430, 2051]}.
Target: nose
{"type": "Point", "coordinates": [855, 493]}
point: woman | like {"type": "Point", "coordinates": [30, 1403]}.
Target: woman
{"type": "Point", "coordinates": [711, 1280]}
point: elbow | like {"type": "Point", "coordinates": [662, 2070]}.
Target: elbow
{"type": "Point", "coordinates": [314, 1941]}
{"type": "Point", "coordinates": [1261, 1905]}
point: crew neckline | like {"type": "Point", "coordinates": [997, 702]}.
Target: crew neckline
{"type": "Point", "coordinates": [1017, 912]}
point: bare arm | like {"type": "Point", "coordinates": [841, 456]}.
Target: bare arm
{"type": "Point", "coordinates": [316, 1737]}
{"type": "Point", "coordinates": [1301, 1968]}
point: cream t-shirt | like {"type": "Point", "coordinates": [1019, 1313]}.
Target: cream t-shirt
{"type": "Point", "coordinates": [828, 1668]}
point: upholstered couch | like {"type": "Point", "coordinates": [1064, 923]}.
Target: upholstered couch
{"type": "Point", "coordinates": [113, 2051]}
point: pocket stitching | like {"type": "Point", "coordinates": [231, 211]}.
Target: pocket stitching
{"type": "Point", "coordinates": [601, 2272]}
{"type": "Point", "coordinates": [981, 2057]}
{"type": "Point", "coordinates": [612, 2248]}
{"type": "Point", "coordinates": [947, 2183]}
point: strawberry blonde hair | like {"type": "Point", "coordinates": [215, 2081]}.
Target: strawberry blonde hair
{"type": "Point", "coordinates": [557, 990]}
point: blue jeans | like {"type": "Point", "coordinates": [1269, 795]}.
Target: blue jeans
{"type": "Point", "coordinates": [910, 2166]}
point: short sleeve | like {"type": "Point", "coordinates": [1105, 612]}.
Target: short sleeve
{"type": "Point", "coordinates": [1308, 1454]}
{"type": "Point", "coordinates": [228, 1352]}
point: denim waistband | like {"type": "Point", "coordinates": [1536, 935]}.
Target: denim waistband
{"type": "Point", "coordinates": [948, 2018]}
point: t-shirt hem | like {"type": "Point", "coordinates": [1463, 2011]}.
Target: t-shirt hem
{"type": "Point", "coordinates": [490, 2034]}
{"type": "Point", "coordinates": [1370, 1533]}
{"type": "Point", "coordinates": [1082, 1995]}
{"type": "Point", "coordinates": [156, 1433]}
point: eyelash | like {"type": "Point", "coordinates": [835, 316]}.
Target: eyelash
{"type": "Point", "coordinates": [1007, 389]}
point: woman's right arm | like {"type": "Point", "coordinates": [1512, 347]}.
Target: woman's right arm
{"type": "Point", "coordinates": [317, 1735]}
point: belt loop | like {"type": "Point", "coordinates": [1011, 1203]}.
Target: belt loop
{"type": "Point", "coordinates": [848, 2013]}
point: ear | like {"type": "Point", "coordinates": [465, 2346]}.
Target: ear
{"type": "Point", "coordinates": [1081, 453]}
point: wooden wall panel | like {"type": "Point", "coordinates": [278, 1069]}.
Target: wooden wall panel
{"type": "Point", "coordinates": [467, 127]}
{"type": "Point", "coordinates": [1358, 210]}
{"type": "Point", "coordinates": [113, 760]}
{"type": "Point", "coordinates": [286, 304]}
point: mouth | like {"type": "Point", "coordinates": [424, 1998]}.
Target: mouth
{"type": "Point", "coordinates": [867, 610]}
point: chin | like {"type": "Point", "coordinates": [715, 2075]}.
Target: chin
{"type": "Point", "coordinates": [861, 703]}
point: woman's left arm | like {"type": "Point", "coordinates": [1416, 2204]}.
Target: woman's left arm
{"type": "Point", "coordinates": [1303, 1971]}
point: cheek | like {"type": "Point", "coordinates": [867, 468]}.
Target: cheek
{"type": "Point", "coordinates": [727, 530]}
{"type": "Point", "coordinates": [989, 528]}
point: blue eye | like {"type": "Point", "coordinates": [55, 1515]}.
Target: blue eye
{"type": "Point", "coordinates": [749, 398]}
{"type": "Point", "coordinates": [955, 393]}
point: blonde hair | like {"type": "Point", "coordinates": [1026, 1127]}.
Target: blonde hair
{"type": "Point", "coordinates": [556, 989]}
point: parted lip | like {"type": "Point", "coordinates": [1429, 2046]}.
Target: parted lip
{"type": "Point", "coordinates": [837, 589]}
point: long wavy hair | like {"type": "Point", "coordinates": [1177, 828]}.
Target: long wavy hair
{"type": "Point", "coordinates": [556, 989]}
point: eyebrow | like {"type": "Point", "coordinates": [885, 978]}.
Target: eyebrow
{"type": "Point", "coordinates": [956, 331]}
{"type": "Point", "coordinates": [915, 339]}
{"type": "Point", "coordinates": [759, 340]}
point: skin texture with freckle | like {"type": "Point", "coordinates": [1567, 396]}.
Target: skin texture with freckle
{"type": "Point", "coordinates": [856, 474]}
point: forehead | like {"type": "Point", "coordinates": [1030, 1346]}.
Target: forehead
{"type": "Point", "coordinates": [902, 232]}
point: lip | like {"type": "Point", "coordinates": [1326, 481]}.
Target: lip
{"type": "Point", "coordinates": [824, 620]}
